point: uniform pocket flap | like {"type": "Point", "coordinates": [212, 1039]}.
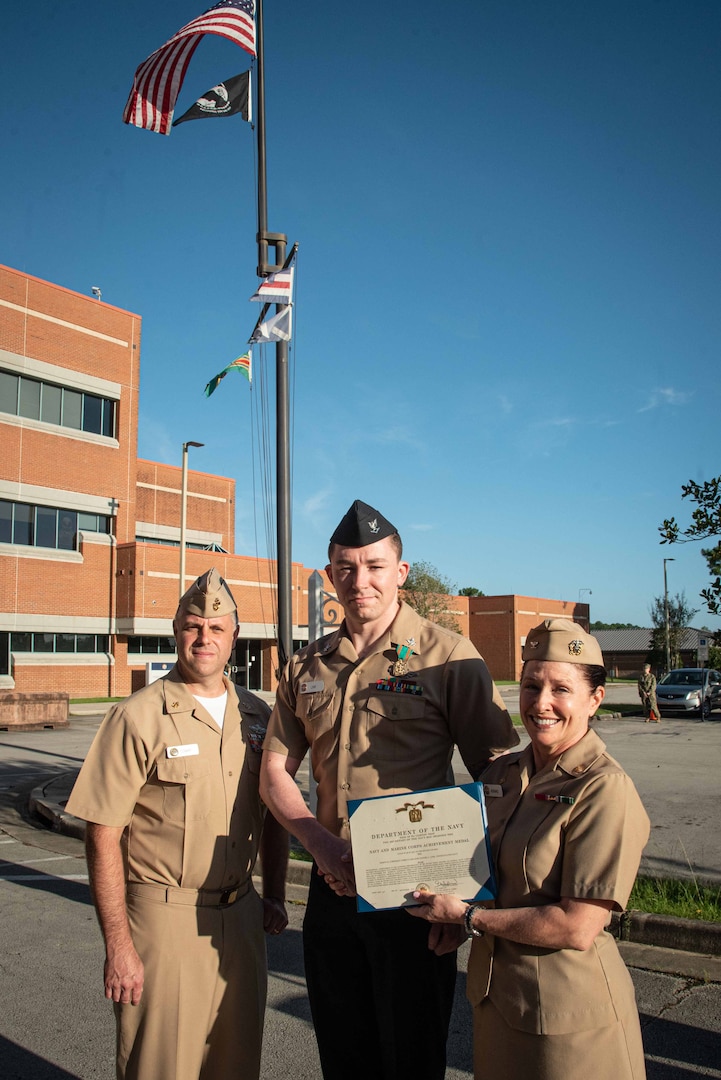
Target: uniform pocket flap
{"type": "Point", "coordinates": [396, 706]}
{"type": "Point", "coordinates": [181, 770]}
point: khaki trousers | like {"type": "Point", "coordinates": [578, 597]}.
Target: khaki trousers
{"type": "Point", "coordinates": [201, 1013]}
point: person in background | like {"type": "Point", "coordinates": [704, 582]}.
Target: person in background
{"type": "Point", "coordinates": [169, 790]}
{"type": "Point", "coordinates": [551, 996]}
{"type": "Point", "coordinates": [380, 703]}
{"type": "Point", "coordinates": [647, 693]}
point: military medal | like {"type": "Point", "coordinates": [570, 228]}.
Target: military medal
{"type": "Point", "coordinates": [404, 653]}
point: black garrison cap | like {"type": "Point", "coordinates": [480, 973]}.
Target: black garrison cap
{"type": "Point", "coordinates": [362, 525]}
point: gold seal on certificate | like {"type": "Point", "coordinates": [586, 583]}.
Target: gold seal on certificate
{"type": "Point", "coordinates": [421, 841]}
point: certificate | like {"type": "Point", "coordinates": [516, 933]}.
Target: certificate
{"type": "Point", "coordinates": [434, 840]}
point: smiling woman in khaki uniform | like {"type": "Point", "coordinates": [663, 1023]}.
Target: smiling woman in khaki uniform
{"type": "Point", "coordinates": [552, 999]}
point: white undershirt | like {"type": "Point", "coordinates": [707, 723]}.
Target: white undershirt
{"type": "Point", "coordinates": [215, 706]}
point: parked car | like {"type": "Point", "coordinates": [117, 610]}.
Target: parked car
{"type": "Point", "coordinates": [690, 690]}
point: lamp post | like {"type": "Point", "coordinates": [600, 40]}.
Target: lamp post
{"type": "Point", "coordinates": [665, 615]}
{"type": "Point", "coordinates": [183, 513]}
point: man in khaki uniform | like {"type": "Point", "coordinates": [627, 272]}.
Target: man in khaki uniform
{"type": "Point", "coordinates": [380, 703]}
{"type": "Point", "coordinates": [170, 793]}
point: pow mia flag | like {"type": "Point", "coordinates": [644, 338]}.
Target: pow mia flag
{"type": "Point", "coordinates": [225, 99]}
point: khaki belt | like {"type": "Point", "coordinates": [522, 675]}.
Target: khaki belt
{"type": "Point", "coordinates": [171, 894]}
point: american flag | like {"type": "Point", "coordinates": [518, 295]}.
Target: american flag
{"type": "Point", "coordinates": [158, 80]}
{"type": "Point", "coordinates": [277, 288]}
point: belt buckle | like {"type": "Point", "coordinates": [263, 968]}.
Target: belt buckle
{"type": "Point", "coordinates": [229, 896]}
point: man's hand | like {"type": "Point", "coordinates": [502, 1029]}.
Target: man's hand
{"type": "Point", "coordinates": [445, 937]}
{"type": "Point", "coordinates": [124, 976]}
{"type": "Point", "coordinates": [275, 917]}
{"type": "Point", "coordinates": [335, 863]}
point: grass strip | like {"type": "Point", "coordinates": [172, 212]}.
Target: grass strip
{"type": "Point", "coordinates": [684, 899]}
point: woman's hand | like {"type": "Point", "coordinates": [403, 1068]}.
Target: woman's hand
{"type": "Point", "coordinates": [438, 907]}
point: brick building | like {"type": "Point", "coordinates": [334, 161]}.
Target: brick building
{"type": "Point", "coordinates": [90, 535]}
{"type": "Point", "coordinates": [498, 625]}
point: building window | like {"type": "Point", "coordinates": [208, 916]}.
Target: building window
{"type": "Point", "coordinates": [152, 646]}
{"type": "Point", "coordinates": [28, 642]}
{"type": "Point", "coordinates": [4, 653]}
{"type": "Point", "coordinates": [46, 526]}
{"type": "Point", "coordinates": [37, 400]}
{"type": "Point", "coordinates": [212, 546]}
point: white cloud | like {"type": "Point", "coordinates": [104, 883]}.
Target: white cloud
{"type": "Point", "coordinates": [666, 395]}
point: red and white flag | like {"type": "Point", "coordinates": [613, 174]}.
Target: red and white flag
{"type": "Point", "coordinates": [158, 80]}
{"type": "Point", "coordinates": [277, 288]}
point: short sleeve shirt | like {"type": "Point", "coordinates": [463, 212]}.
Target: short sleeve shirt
{"type": "Point", "coordinates": [373, 733]}
{"type": "Point", "coordinates": [185, 792]}
{"type": "Point", "coordinates": [588, 848]}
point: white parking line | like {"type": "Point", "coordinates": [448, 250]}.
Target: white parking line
{"type": "Point", "coordinates": [29, 862]}
{"type": "Point", "coordinates": [43, 877]}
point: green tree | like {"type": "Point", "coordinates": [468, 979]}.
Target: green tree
{"type": "Point", "coordinates": [471, 590]}
{"type": "Point", "coordinates": [427, 591]}
{"type": "Point", "coordinates": [614, 626]}
{"type": "Point", "coordinates": [706, 520]}
{"type": "Point", "coordinates": [679, 617]}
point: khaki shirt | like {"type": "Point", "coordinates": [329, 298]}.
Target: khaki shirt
{"type": "Point", "coordinates": [544, 851]}
{"type": "Point", "coordinates": [185, 791]}
{"type": "Point", "coordinates": [366, 740]}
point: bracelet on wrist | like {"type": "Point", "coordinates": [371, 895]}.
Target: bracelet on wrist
{"type": "Point", "coordinates": [471, 930]}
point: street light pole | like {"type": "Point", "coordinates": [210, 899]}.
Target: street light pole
{"type": "Point", "coordinates": [183, 514]}
{"type": "Point", "coordinates": [665, 615]}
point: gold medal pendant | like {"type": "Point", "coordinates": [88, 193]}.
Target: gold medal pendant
{"type": "Point", "coordinates": [404, 653]}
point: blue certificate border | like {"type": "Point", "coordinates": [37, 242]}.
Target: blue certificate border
{"type": "Point", "coordinates": [489, 888]}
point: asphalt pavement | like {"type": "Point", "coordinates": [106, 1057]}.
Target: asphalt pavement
{"type": "Point", "coordinates": [55, 1023]}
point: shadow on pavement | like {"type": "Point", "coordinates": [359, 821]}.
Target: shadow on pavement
{"type": "Point", "coordinates": [21, 1064]}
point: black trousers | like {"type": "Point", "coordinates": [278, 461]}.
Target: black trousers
{"type": "Point", "coordinates": [381, 1000]}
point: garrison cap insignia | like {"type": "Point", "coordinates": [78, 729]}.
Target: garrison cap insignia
{"type": "Point", "coordinates": [362, 525]}
{"type": "Point", "coordinates": [216, 603]}
{"type": "Point", "coordinates": [575, 647]}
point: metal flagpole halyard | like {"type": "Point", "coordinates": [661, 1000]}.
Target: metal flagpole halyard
{"type": "Point", "coordinates": [279, 242]}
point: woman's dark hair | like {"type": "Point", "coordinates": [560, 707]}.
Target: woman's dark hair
{"type": "Point", "coordinates": [594, 674]}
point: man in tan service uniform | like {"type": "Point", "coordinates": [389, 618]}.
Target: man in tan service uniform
{"type": "Point", "coordinates": [380, 703]}
{"type": "Point", "coordinates": [170, 793]}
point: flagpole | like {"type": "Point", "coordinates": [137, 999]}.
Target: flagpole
{"type": "Point", "coordinates": [282, 382]}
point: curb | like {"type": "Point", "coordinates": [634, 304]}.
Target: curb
{"type": "Point", "coordinates": [668, 932]}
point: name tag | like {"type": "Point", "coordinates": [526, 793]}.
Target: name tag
{"type": "Point", "coordinates": [186, 750]}
{"type": "Point", "coordinates": [313, 686]}
{"type": "Point", "coordinates": [492, 791]}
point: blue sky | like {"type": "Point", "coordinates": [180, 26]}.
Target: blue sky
{"type": "Point", "coordinates": [507, 316]}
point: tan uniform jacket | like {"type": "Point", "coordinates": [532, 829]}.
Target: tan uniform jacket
{"type": "Point", "coordinates": [186, 792]}
{"type": "Point", "coordinates": [545, 851]}
{"type": "Point", "coordinates": [366, 740]}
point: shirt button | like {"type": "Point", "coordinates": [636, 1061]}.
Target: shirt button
{"type": "Point", "coordinates": [230, 774]}
{"type": "Point", "coordinates": [344, 787]}
{"type": "Point", "coordinates": [346, 746]}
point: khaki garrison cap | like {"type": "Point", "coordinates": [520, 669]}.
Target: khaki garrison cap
{"type": "Point", "coordinates": [361, 526]}
{"type": "Point", "coordinates": [564, 641]}
{"type": "Point", "coordinates": [208, 597]}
